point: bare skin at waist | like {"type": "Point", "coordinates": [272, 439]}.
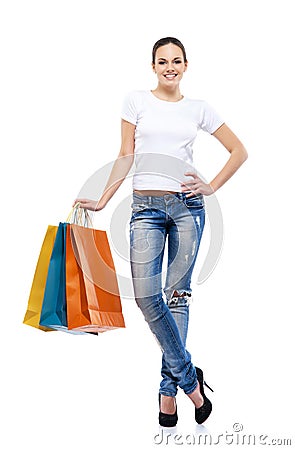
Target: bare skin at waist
{"type": "Point", "coordinates": [153, 192]}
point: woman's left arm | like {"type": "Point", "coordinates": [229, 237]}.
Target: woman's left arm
{"type": "Point", "coordinates": [238, 155]}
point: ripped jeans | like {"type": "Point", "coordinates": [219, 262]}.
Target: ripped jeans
{"type": "Point", "coordinates": [182, 220]}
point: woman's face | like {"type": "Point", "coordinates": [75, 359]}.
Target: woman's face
{"type": "Point", "coordinates": [169, 65]}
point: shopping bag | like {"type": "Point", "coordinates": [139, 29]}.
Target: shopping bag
{"type": "Point", "coordinates": [92, 292]}
{"type": "Point", "coordinates": [53, 314]}
{"type": "Point", "coordinates": [75, 287]}
{"type": "Point", "coordinates": [54, 307]}
{"type": "Point", "coordinates": [32, 315]}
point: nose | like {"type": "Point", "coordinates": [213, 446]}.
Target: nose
{"type": "Point", "coordinates": [170, 67]}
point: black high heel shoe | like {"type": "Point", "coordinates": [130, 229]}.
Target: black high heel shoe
{"type": "Point", "coordinates": [202, 413]}
{"type": "Point", "coordinates": [167, 420]}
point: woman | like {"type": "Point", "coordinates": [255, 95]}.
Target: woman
{"type": "Point", "coordinates": [158, 131]}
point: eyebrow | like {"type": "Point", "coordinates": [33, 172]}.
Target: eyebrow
{"type": "Point", "coordinates": [164, 59]}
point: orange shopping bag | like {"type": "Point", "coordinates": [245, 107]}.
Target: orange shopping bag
{"type": "Point", "coordinates": [92, 292]}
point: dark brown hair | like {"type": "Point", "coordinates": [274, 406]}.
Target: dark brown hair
{"type": "Point", "coordinates": [165, 41]}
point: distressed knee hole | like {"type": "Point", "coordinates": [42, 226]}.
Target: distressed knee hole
{"type": "Point", "coordinates": [174, 300]}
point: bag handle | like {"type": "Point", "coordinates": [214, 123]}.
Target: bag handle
{"type": "Point", "coordinates": [80, 216]}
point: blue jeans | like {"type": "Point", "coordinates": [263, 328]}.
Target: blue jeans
{"type": "Point", "coordinates": [182, 219]}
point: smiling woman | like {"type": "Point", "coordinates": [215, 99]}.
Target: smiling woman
{"type": "Point", "coordinates": [169, 64]}
{"type": "Point", "coordinates": [159, 128]}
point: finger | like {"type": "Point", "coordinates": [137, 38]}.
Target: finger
{"type": "Point", "coordinates": [193, 193]}
{"type": "Point", "coordinates": [195, 180]}
{"type": "Point", "coordinates": [186, 189]}
{"type": "Point", "coordinates": [191, 186]}
{"type": "Point", "coordinates": [194, 184]}
{"type": "Point", "coordinates": [189, 183]}
{"type": "Point", "coordinates": [191, 174]}
{"type": "Point", "coordinates": [82, 200]}
{"type": "Point", "coordinates": [190, 189]}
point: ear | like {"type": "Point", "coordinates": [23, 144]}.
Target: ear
{"type": "Point", "coordinates": [153, 67]}
{"type": "Point", "coordinates": [185, 65]}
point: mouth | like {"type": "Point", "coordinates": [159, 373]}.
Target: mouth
{"type": "Point", "coordinates": [170, 76]}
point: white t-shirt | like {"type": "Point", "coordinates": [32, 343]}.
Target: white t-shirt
{"type": "Point", "coordinates": [164, 137]}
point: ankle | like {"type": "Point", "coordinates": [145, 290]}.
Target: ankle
{"type": "Point", "coordinates": [168, 404]}
{"type": "Point", "coordinates": [196, 397]}
{"type": "Point", "coordinates": [198, 402]}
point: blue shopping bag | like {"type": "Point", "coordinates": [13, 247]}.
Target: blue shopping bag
{"type": "Point", "coordinates": [54, 310]}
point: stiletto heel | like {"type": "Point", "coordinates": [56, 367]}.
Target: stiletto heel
{"type": "Point", "coordinates": [167, 420]}
{"type": "Point", "coordinates": [202, 413]}
{"type": "Point", "coordinates": [208, 386]}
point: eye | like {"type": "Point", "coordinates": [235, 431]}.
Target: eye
{"type": "Point", "coordinates": [162, 62]}
{"type": "Point", "coordinates": [178, 61]}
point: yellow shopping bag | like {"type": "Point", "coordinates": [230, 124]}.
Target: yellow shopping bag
{"type": "Point", "coordinates": [32, 316]}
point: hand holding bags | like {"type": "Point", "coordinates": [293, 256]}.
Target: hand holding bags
{"type": "Point", "coordinates": [81, 292]}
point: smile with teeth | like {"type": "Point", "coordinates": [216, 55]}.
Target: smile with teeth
{"type": "Point", "coordinates": [170, 76]}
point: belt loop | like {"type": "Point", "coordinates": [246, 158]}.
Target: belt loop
{"type": "Point", "coordinates": [150, 199]}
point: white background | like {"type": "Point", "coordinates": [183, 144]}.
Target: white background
{"type": "Point", "coordinates": [65, 69]}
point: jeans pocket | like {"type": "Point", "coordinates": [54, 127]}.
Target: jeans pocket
{"type": "Point", "coordinates": [138, 207]}
{"type": "Point", "coordinates": [196, 202]}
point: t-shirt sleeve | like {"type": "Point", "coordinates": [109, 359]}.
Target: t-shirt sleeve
{"type": "Point", "coordinates": [129, 108]}
{"type": "Point", "coordinates": [210, 120]}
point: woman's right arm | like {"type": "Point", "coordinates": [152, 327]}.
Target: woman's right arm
{"type": "Point", "coordinates": [120, 169]}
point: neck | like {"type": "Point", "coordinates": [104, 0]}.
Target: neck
{"type": "Point", "coordinates": [171, 95]}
